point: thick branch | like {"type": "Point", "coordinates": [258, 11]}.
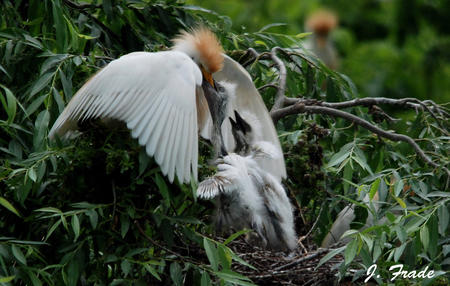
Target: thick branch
{"type": "Point", "coordinates": [302, 108]}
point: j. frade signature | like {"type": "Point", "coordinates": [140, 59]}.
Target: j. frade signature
{"type": "Point", "coordinates": [400, 272]}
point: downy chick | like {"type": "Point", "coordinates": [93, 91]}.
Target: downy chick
{"type": "Point", "coordinates": [247, 196]}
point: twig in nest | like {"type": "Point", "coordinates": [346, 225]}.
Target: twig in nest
{"type": "Point", "coordinates": [302, 259]}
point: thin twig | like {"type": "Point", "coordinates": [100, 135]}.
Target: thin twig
{"type": "Point", "coordinates": [267, 86]}
{"type": "Point", "coordinates": [314, 224]}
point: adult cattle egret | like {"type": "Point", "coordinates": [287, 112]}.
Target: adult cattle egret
{"type": "Point", "coordinates": [248, 196]}
{"type": "Point", "coordinates": [160, 98]}
{"type": "Point", "coordinates": [321, 23]}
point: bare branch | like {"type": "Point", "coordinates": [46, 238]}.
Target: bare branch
{"type": "Point", "coordinates": [267, 86]}
{"type": "Point", "coordinates": [408, 102]}
{"type": "Point", "coordinates": [300, 107]}
{"type": "Point", "coordinates": [79, 6]}
{"type": "Point", "coordinates": [280, 96]}
{"type": "Point", "coordinates": [255, 56]}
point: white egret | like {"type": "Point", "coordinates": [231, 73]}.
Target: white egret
{"type": "Point", "coordinates": [321, 23]}
{"type": "Point", "coordinates": [248, 196]}
{"type": "Point", "coordinates": [160, 97]}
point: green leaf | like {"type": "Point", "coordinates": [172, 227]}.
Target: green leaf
{"type": "Point", "coordinates": [266, 27]}
{"type": "Point", "coordinates": [52, 229]}
{"type": "Point", "coordinates": [399, 251]}
{"type": "Point", "coordinates": [42, 82]}
{"type": "Point", "coordinates": [10, 104]}
{"type": "Point", "coordinates": [241, 261]}
{"type": "Point", "coordinates": [152, 271]}
{"type": "Point", "coordinates": [93, 218]}
{"type": "Point", "coordinates": [211, 253]}
{"type": "Point", "coordinates": [330, 255]}
{"type": "Point", "coordinates": [40, 129]}
{"type": "Point", "coordinates": [302, 35]}
{"type": "Point", "coordinates": [337, 158]}
{"type": "Point", "coordinates": [224, 256]}
{"type": "Point", "coordinates": [7, 279]}
{"type": "Point", "coordinates": [60, 26]}
{"type": "Point", "coordinates": [76, 226]}
{"type": "Point", "coordinates": [236, 235]}
{"type": "Point", "coordinates": [374, 188]}
{"type": "Point", "coordinates": [443, 219]}
{"type": "Point", "coordinates": [400, 202]}
{"type": "Point", "coordinates": [401, 233]}
{"type": "Point", "coordinates": [163, 189]}
{"type": "Point", "coordinates": [125, 265]}
{"type": "Point", "coordinates": [233, 277]}
{"type": "Point", "coordinates": [34, 279]}
{"type": "Point", "coordinates": [398, 187]}
{"type": "Point", "coordinates": [205, 280]}
{"type": "Point", "coordinates": [35, 105]}
{"type": "Point", "coordinates": [32, 174]}
{"type": "Point", "coordinates": [425, 237]}
{"type": "Point", "coordinates": [124, 225]}
{"type": "Point", "coordinates": [9, 206]}
{"type": "Point", "coordinates": [261, 43]}
{"type": "Point", "coordinates": [175, 274]}
{"type": "Point", "coordinates": [18, 254]}
{"type": "Point", "coordinates": [350, 251]}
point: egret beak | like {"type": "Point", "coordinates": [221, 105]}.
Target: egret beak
{"type": "Point", "coordinates": [217, 105]}
{"type": "Point", "coordinates": [208, 76]}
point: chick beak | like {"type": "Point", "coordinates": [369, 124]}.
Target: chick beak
{"type": "Point", "coordinates": [208, 76]}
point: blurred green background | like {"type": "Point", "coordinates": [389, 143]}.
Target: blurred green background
{"type": "Point", "coordinates": [390, 48]}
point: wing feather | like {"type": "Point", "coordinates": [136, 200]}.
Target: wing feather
{"type": "Point", "coordinates": [155, 94]}
{"type": "Point", "coordinates": [176, 145]}
{"type": "Point", "coordinates": [213, 186]}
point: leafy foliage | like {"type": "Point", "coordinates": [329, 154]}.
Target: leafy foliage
{"type": "Point", "coordinates": [96, 210]}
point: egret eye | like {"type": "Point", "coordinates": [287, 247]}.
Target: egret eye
{"type": "Point", "coordinates": [221, 89]}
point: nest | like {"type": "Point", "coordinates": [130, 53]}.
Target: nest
{"type": "Point", "coordinates": [278, 268]}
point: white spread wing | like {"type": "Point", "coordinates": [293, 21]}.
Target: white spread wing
{"type": "Point", "coordinates": [155, 95]}
{"type": "Point", "coordinates": [248, 99]}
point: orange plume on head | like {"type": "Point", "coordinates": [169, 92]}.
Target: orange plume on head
{"type": "Point", "coordinates": [207, 45]}
{"type": "Point", "coordinates": [321, 22]}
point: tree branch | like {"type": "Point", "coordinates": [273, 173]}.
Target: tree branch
{"type": "Point", "coordinates": [300, 107]}
{"type": "Point", "coordinates": [79, 6]}
{"type": "Point", "coordinates": [280, 96]}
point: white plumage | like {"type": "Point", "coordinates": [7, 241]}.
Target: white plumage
{"type": "Point", "coordinates": [160, 110]}
{"type": "Point", "coordinates": [249, 196]}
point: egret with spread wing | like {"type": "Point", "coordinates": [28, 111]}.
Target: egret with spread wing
{"type": "Point", "coordinates": [167, 97]}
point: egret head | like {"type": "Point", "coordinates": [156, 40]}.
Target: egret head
{"type": "Point", "coordinates": [242, 133]}
{"type": "Point", "coordinates": [321, 22]}
{"type": "Point", "coordinates": [203, 47]}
